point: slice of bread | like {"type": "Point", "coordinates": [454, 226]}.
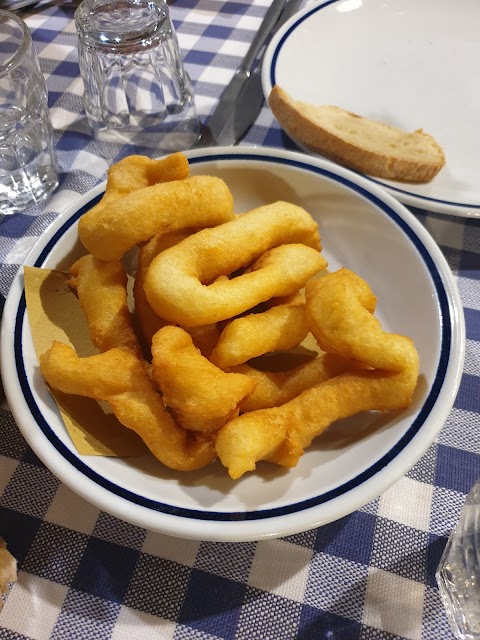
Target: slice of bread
{"type": "Point", "coordinates": [359, 143]}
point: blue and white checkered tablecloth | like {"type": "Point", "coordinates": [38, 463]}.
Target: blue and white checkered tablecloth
{"type": "Point", "coordinates": [85, 575]}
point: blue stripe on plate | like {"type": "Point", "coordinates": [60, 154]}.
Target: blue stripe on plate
{"type": "Point", "coordinates": [76, 462]}
{"type": "Point", "coordinates": [378, 182]}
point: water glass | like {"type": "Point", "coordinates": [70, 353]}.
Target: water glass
{"type": "Point", "coordinates": [136, 90]}
{"type": "Point", "coordinates": [28, 170]}
{"type": "Point", "coordinates": [458, 574]}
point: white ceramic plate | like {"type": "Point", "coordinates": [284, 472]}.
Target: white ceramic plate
{"type": "Point", "coordinates": [362, 228]}
{"type": "Point", "coordinates": [407, 63]}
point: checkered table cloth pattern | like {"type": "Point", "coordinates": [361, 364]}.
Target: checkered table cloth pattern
{"type": "Point", "coordinates": [85, 575]}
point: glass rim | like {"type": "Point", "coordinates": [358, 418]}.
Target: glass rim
{"type": "Point", "coordinates": [24, 45]}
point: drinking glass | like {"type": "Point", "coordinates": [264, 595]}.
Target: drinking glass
{"type": "Point", "coordinates": [28, 170]}
{"type": "Point", "coordinates": [136, 90]}
{"type": "Point", "coordinates": [458, 574]}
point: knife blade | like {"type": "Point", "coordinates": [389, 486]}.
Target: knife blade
{"type": "Point", "coordinates": [233, 117]}
{"type": "Point", "coordinates": [251, 98]}
{"type": "Point", "coordinates": [211, 134]}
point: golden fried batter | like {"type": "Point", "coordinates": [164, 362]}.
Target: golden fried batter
{"type": "Point", "coordinates": [201, 396]}
{"type": "Point", "coordinates": [197, 201]}
{"type": "Point", "coordinates": [282, 327]}
{"type": "Point", "coordinates": [148, 321]}
{"type": "Point", "coordinates": [277, 387]}
{"type": "Point", "coordinates": [280, 237]}
{"type": "Point", "coordinates": [102, 292]}
{"type": "Point", "coordinates": [338, 318]}
{"type": "Point", "coordinates": [281, 434]}
{"type": "Point", "coordinates": [121, 379]}
{"type": "Point", "coordinates": [135, 172]}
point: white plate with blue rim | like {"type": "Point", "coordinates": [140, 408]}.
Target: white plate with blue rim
{"type": "Point", "coordinates": [362, 228]}
{"type": "Point", "coordinates": [406, 63]}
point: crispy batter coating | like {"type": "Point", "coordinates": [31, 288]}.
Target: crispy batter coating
{"type": "Point", "coordinates": [121, 379]}
{"type": "Point", "coordinates": [102, 292]}
{"type": "Point", "coordinates": [342, 324]}
{"type": "Point", "coordinates": [282, 327]}
{"type": "Point", "coordinates": [277, 387]}
{"type": "Point", "coordinates": [280, 434]}
{"type": "Point", "coordinates": [204, 337]}
{"type": "Point", "coordinates": [148, 321]}
{"type": "Point", "coordinates": [201, 396]}
{"type": "Point", "coordinates": [135, 172]}
{"type": "Point", "coordinates": [274, 230]}
{"type": "Point", "coordinates": [281, 271]}
{"type": "Point", "coordinates": [197, 201]}
{"type": "Point", "coordinates": [344, 396]}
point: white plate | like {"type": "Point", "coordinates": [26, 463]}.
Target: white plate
{"type": "Point", "coordinates": [362, 228]}
{"type": "Point", "coordinates": [407, 63]}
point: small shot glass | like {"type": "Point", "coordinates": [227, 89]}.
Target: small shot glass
{"type": "Point", "coordinates": [137, 95]}
{"type": "Point", "coordinates": [28, 170]}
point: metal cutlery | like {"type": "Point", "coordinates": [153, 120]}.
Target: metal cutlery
{"type": "Point", "coordinates": [251, 98]}
{"type": "Point", "coordinates": [231, 119]}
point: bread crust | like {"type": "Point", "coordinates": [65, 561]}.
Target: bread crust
{"type": "Point", "coordinates": [312, 126]}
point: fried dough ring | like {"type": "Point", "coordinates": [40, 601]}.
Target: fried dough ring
{"type": "Point", "coordinates": [279, 272]}
{"type": "Point", "coordinates": [201, 396]}
{"type": "Point", "coordinates": [282, 327]}
{"type": "Point", "coordinates": [197, 201]}
{"type": "Point", "coordinates": [135, 172]}
{"type": "Point", "coordinates": [344, 396]}
{"type": "Point", "coordinates": [102, 292]}
{"type": "Point", "coordinates": [121, 379]}
{"type": "Point", "coordinates": [198, 260]}
{"type": "Point", "coordinates": [148, 322]}
{"type": "Point", "coordinates": [280, 434]}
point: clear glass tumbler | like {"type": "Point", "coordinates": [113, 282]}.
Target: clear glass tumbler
{"type": "Point", "coordinates": [458, 574]}
{"type": "Point", "coordinates": [136, 90]}
{"type": "Point", "coordinates": [28, 170]}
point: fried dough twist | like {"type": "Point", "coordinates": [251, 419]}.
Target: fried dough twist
{"type": "Point", "coordinates": [135, 172]}
{"type": "Point", "coordinates": [102, 292]}
{"type": "Point", "coordinates": [279, 328]}
{"type": "Point", "coordinates": [197, 201]}
{"type": "Point", "coordinates": [355, 334]}
{"type": "Point", "coordinates": [254, 236]}
{"type": "Point", "coordinates": [201, 396]}
{"type": "Point", "coordinates": [277, 387]}
{"type": "Point", "coordinates": [280, 434]}
{"type": "Point", "coordinates": [148, 321]}
{"type": "Point", "coordinates": [121, 379]}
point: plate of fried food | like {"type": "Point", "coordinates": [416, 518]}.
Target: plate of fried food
{"type": "Point", "coordinates": [269, 342]}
